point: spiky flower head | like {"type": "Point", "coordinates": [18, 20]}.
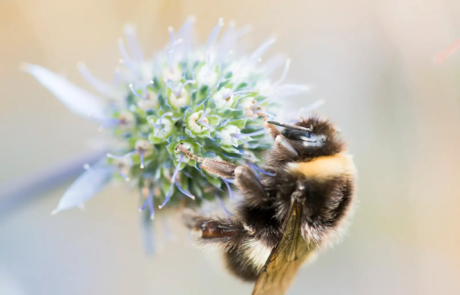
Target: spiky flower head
{"type": "Point", "coordinates": [211, 99]}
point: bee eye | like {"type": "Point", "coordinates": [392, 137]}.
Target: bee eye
{"type": "Point", "coordinates": [300, 135]}
{"type": "Point", "coordinates": [307, 136]}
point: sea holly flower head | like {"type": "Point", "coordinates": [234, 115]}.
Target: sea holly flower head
{"type": "Point", "coordinates": [210, 99]}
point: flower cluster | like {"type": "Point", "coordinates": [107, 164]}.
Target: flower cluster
{"type": "Point", "coordinates": [210, 99]}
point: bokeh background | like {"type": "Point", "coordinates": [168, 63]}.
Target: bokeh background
{"type": "Point", "coordinates": [371, 61]}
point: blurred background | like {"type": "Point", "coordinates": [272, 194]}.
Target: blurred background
{"type": "Point", "coordinates": [371, 61]}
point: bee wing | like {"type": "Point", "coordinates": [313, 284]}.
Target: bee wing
{"type": "Point", "coordinates": [287, 257]}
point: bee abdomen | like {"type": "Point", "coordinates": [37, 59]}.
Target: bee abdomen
{"type": "Point", "coordinates": [247, 261]}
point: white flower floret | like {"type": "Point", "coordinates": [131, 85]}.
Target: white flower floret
{"type": "Point", "coordinates": [249, 105]}
{"type": "Point", "coordinates": [150, 102]}
{"type": "Point", "coordinates": [163, 128]}
{"type": "Point", "coordinates": [145, 149]}
{"type": "Point", "coordinates": [227, 135]}
{"type": "Point", "coordinates": [195, 124]}
{"type": "Point", "coordinates": [124, 165]}
{"type": "Point", "coordinates": [145, 146]}
{"type": "Point", "coordinates": [182, 100]}
{"type": "Point", "coordinates": [127, 120]}
{"type": "Point", "coordinates": [223, 98]}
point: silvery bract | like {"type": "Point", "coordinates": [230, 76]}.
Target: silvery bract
{"type": "Point", "coordinates": [211, 99]}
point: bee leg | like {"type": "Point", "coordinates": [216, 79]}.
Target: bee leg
{"type": "Point", "coordinates": [225, 233]}
{"type": "Point", "coordinates": [271, 129]}
{"type": "Point", "coordinates": [251, 188]}
{"type": "Point", "coordinates": [245, 178]}
{"type": "Point", "coordinates": [221, 168]}
{"type": "Point", "coordinates": [282, 143]}
{"type": "Point", "coordinates": [230, 236]}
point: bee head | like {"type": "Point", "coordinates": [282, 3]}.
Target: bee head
{"type": "Point", "coordinates": [313, 137]}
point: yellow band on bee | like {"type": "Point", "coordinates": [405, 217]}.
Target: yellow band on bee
{"type": "Point", "coordinates": [323, 168]}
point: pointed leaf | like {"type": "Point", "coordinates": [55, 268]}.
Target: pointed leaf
{"type": "Point", "coordinates": [84, 188]}
{"type": "Point", "coordinates": [75, 98]}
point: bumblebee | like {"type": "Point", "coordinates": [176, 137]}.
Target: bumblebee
{"type": "Point", "coordinates": [298, 206]}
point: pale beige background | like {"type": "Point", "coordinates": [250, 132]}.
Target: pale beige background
{"type": "Point", "coordinates": [370, 60]}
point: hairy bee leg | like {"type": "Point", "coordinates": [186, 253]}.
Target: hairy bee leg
{"type": "Point", "coordinates": [281, 141]}
{"type": "Point", "coordinates": [271, 129]}
{"type": "Point", "coordinates": [284, 144]}
{"type": "Point", "coordinates": [229, 236]}
{"type": "Point", "coordinates": [250, 186]}
{"type": "Point", "coordinates": [222, 168]}
{"type": "Point", "coordinates": [223, 232]}
{"type": "Point", "coordinates": [245, 178]}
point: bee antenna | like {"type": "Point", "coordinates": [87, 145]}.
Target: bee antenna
{"type": "Point", "coordinates": [288, 126]}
